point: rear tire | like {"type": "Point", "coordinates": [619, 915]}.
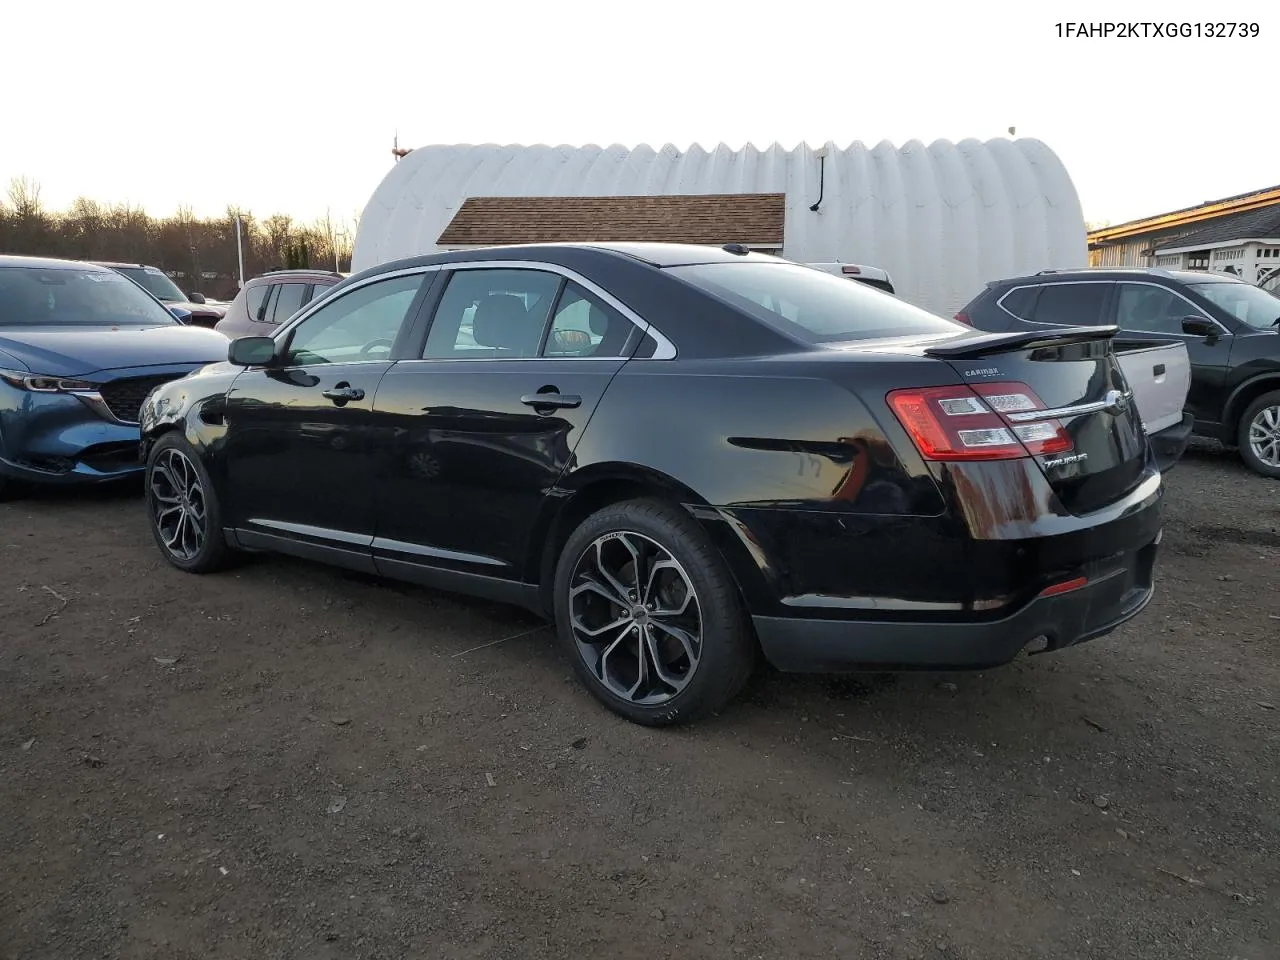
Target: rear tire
{"type": "Point", "coordinates": [1258, 435]}
{"type": "Point", "coordinates": [183, 509]}
{"type": "Point", "coordinates": [649, 615]}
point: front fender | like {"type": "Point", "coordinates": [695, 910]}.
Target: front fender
{"type": "Point", "coordinates": [193, 404]}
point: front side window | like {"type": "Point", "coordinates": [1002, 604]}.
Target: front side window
{"type": "Point", "coordinates": [358, 326]}
{"type": "Point", "coordinates": [809, 304]}
{"type": "Point", "coordinates": [1252, 305]}
{"type": "Point", "coordinates": [1150, 309]}
{"type": "Point", "coordinates": [1071, 304]}
{"type": "Point", "coordinates": [39, 296]}
{"type": "Point", "coordinates": [491, 314]}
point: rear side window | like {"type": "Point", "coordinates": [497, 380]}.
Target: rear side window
{"type": "Point", "coordinates": [288, 301]}
{"type": "Point", "coordinates": [1020, 301]}
{"type": "Point", "coordinates": [256, 299]}
{"type": "Point", "coordinates": [316, 292]}
{"type": "Point", "coordinates": [492, 314]}
{"type": "Point", "coordinates": [809, 304]}
{"type": "Point", "coordinates": [585, 326]}
{"type": "Point", "coordinates": [1071, 304]}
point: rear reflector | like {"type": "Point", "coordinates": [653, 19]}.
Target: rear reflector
{"type": "Point", "coordinates": [965, 422]}
{"type": "Point", "coordinates": [1066, 586]}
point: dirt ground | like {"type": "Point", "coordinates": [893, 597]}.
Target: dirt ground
{"type": "Point", "coordinates": [290, 761]}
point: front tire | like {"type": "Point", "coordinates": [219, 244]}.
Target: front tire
{"type": "Point", "coordinates": [649, 615]}
{"type": "Point", "coordinates": [1258, 435]}
{"type": "Point", "coordinates": [182, 507]}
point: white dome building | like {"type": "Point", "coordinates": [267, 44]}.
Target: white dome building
{"type": "Point", "coordinates": [943, 219]}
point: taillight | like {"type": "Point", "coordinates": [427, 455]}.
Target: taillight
{"type": "Point", "coordinates": [970, 422]}
{"type": "Point", "coordinates": [963, 317]}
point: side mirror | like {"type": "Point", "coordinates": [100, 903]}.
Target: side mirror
{"type": "Point", "coordinates": [251, 351]}
{"type": "Point", "coordinates": [1199, 327]}
{"type": "Point", "coordinates": [196, 297]}
{"type": "Point", "coordinates": [182, 316]}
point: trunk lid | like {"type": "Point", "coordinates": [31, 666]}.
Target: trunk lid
{"type": "Point", "coordinates": [1075, 374]}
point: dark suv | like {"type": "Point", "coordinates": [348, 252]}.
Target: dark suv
{"type": "Point", "coordinates": [1231, 330]}
{"type": "Point", "coordinates": [267, 301]}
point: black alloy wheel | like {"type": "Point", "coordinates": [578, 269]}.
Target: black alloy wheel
{"type": "Point", "coordinates": [651, 616]}
{"type": "Point", "coordinates": [183, 507]}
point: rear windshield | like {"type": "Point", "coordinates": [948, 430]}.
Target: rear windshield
{"type": "Point", "coordinates": [41, 296]}
{"type": "Point", "coordinates": [809, 304]}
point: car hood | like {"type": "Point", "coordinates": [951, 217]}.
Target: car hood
{"type": "Point", "coordinates": [75, 351]}
{"type": "Point", "coordinates": [200, 309]}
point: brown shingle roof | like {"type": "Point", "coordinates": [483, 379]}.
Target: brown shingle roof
{"type": "Point", "coordinates": [751, 218]}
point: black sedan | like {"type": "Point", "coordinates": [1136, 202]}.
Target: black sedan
{"type": "Point", "coordinates": [685, 455]}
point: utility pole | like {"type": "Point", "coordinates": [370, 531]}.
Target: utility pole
{"type": "Point", "coordinates": [239, 250]}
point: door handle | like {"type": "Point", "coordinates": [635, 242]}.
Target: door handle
{"type": "Point", "coordinates": [555, 401]}
{"type": "Point", "coordinates": [343, 392]}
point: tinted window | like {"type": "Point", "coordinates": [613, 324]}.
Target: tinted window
{"type": "Point", "coordinates": [360, 325]}
{"type": "Point", "coordinates": [288, 301]}
{"type": "Point", "coordinates": [809, 304]}
{"type": "Point", "coordinates": [1253, 305]}
{"type": "Point", "coordinates": [155, 281]}
{"type": "Point", "coordinates": [498, 314]}
{"type": "Point", "coordinates": [586, 326]}
{"type": "Point", "coordinates": [1141, 306]}
{"type": "Point", "coordinates": [1020, 301]}
{"type": "Point", "coordinates": [1071, 304]}
{"type": "Point", "coordinates": [317, 291]}
{"type": "Point", "coordinates": [256, 299]}
{"type": "Point", "coordinates": [58, 297]}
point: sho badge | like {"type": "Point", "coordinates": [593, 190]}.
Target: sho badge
{"type": "Point", "coordinates": [1063, 461]}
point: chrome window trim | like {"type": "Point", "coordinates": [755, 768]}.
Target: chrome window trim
{"type": "Point", "coordinates": [1037, 286]}
{"type": "Point", "coordinates": [1198, 310]}
{"type": "Point", "coordinates": [665, 350]}
{"type": "Point", "coordinates": [314, 306]}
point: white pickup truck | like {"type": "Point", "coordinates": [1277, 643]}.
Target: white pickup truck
{"type": "Point", "coordinates": [1159, 375]}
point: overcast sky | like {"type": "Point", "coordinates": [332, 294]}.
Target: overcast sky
{"type": "Point", "coordinates": [291, 107]}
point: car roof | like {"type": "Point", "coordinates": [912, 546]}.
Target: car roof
{"type": "Point", "coordinates": [653, 254]}
{"type": "Point", "coordinates": [300, 272]}
{"type": "Point", "coordinates": [1113, 273]}
{"type": "Point", "coordinates": [47, 263]}
{"type": "Point", "coordinates": [110, 264]}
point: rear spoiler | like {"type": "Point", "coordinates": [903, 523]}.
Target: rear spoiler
{"type": "Point", "coordinates": [978, 346]}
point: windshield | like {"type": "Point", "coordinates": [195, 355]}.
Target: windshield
{"type": "Point", "coordinates": [1244, 301]}
{"type": "Point", "coordinates": [43, 296]}
{"type": "Point", "coordinates": [155, 281]}
{"type": "Point", "coordinates": [810, 304]}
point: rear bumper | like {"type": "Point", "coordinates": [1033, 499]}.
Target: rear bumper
{"type": "Point", "coordinates": [833, 646]}
{"type": "Point", "coordinates": [1170, 444]}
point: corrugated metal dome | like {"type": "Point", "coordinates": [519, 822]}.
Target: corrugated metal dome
{"type": "Point", "coordinates": [943, 219]}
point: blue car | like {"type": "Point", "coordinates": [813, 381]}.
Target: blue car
{"type": "Point", "coordinates": [80, 348]}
